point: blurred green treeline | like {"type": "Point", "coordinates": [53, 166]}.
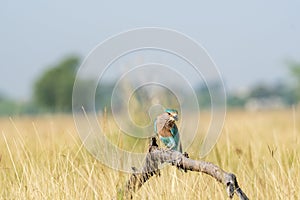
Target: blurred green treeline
{"type": "Point", "coordinates": [52, 92]}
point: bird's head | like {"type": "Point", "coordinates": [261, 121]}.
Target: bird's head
{"type": "Point", "coordinates": [172, 113]}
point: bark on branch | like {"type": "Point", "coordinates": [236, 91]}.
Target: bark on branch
{"type": "Point", "coordinates": [157, 156]}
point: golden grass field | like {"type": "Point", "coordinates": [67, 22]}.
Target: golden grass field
{"type": "Point", "coordinates": [43, 158]}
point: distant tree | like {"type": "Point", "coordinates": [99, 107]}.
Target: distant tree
{"type": "Point", "coordinates": [261, 91]}
{"type": "Point", "coordinates": [7, 106]}
{"type": "Point", "coordinates": [278, 90]}
{"type": "Point", "coordinates": [236, 101]}
{"type": "Point", "coordinates": [294, 68]}
{"type": "Point", "coordinates": [53, 90]}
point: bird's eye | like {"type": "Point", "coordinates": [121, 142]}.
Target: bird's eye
{"type": "Point", "coordinates": [169, 113]}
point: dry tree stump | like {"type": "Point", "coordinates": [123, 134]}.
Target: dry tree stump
{"type": "Point", "coordinates": [157, 156]}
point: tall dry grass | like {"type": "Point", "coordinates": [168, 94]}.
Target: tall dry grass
{"type": "Point", "coordinates": [43, 158]}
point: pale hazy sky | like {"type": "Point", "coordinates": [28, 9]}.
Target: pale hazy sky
{"type": "Point", "coordinates": [248, 41]}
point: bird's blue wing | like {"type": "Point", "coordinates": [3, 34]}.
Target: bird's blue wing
{"type": "Point", "coordinates": [176, 137]}
{"type": "Point", "coordinates": [174, 130]}
{"type": "Point", "coordinates": [169, 142]}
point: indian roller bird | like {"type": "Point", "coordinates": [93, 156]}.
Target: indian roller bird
{"type": "Point", "coordinates": [166, 129]}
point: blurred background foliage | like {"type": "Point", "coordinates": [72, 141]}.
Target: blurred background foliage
{"type": "Point", "coordinates": [52, 92]}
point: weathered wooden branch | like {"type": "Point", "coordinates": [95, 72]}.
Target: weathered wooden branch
{"type": "Point", "coordinates": [157, 156]}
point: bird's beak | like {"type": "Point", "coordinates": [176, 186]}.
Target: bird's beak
{"type": "Point", "coordinates": [175, 117]}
